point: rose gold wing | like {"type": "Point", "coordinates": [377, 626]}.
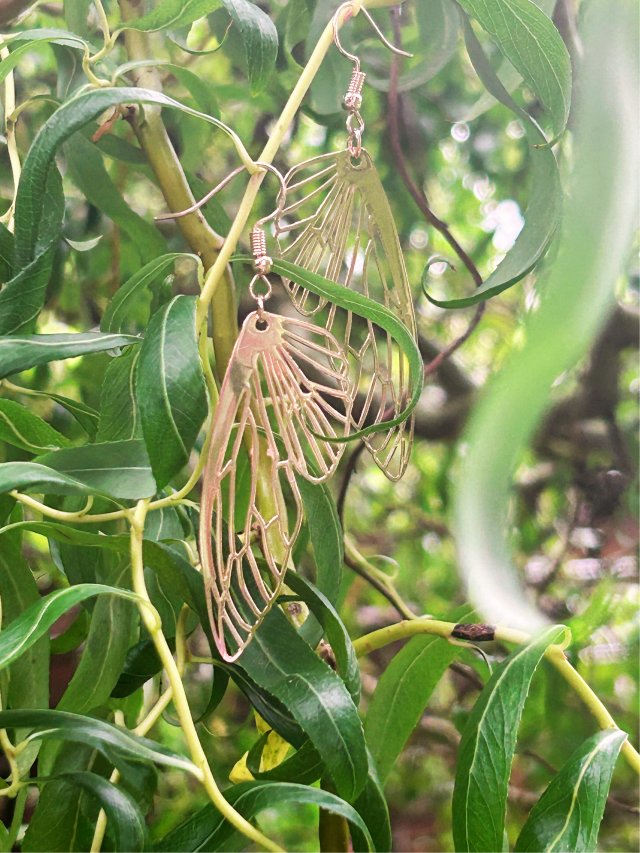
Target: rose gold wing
{"type": "Point", "coordinates": [335, 220]}
{"type": "Point", "coordinates": [286, 386]}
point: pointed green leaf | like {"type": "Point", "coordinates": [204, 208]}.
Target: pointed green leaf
{"type": "Point", "coordinates": [568, 815]}
{"type": "Point", "coordinates": [401, 696]}
{"type": "Point", "coordinates": [119, 414]}
{"type": "Point", "coordinates": [125, 823]}
{"type": "Point", "coordinates": [34, 622]}
{"type": "Point", "coordinates": [487, 747]}
{"type": "Point", "coordinates": [118, 745]}
{"type": "Point", "coordinates": [30, 476]}
{"type": "Point", "coordinates": [208, 830]}
{"type": "Point", "coordinates": [325, 533]}
{"type": "Point", "coordinates": [171, 13]}
{"type": "Point", "coordinates": [279, 661]}
{"type": "Point", "coordinates": [22, 428]}
{"type": "Point", "coordinates": [259, 38]}
{"type": "Point", "coordinates": [29, 675]}
{"type": "Point", "coordinates": [170, 387]}
{"type": "Point", "coordinates": [21, 352]}
{"type": "Point", "coordinates": [117, 468]}
{"type": "Point", "coordinates": [84, 415]}
{"type": "Point", "coordinates": [117, 317]}
{"type": "Point", "coordinates": [532, 44]}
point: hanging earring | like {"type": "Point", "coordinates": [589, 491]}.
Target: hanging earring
{"type": "Point", "coordinates": [334, 219]}
{"type": "Point", "coordinates": [286, 394]}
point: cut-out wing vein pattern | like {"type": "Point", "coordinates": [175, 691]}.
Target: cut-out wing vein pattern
{"type": "Point", "coordinates": [335, 220]}
{"type": "Point", "coordinates": [285, 390]}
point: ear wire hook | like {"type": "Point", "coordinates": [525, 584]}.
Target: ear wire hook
{"type": "Point", "coordinates": [350, 56]}
{"type": "Point", "coordinates": [267, 167]}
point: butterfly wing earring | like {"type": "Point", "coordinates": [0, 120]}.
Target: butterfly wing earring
{"type": "Point", "coordinates": [334, 219]}
{"type": "Point", "coordinates": [284, 399]}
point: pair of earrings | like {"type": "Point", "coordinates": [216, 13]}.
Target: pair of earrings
{"type": "Point", "coordinates": [296, 387]}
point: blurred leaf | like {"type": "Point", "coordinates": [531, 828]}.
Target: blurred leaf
{"type": "Point", "coordinates": [281, 662]}
{"type": "Point", "coordinates": [170, 387]}
{"type": "Point", "coordinates": [88, 173]}
{"type": "Point", "coordinates": [325, 533]}
{"type": "Point", "coordinates": [259, 38]}
{"type": "Point", "coordinates": [21, 428]}
{"type": "Point", "coordinates": [21, 352]}
{"type": "Point", "coordinates": [171, 13]}
{"type": "Point", "coordinates": [208, 830]}
{"type": "Point", "coordinates": [575, 300]}
{"type": "Point", "coordinates": [200, 90]}
{"type": "Point", "coordinates": [84, 245]}
{"type": "Point", "coordinates": [28, 675]}
{"type": "Point", "coordinates": [117, 468]}
{"type": "Point", "coordinates": [76, 13]}
{"type": "Point", "coordinates": [568, 814]}
{"type": "Point", "coordinates": [29, 39]}
{"type": "Point", "coordinates": [401, 696]}
{"type": "Point", "coordinates": [118, 745]}
{"type": "Point", "coordinates": [125, 823]}
{"type": "Point", "coordinates": [34, 622]}
{"type": "Point", "coordinates": [487, 747]}
{"type": "Point", "coordinates": [119, 415]}
{"type": "Point", "coordinates": [117, 316]}
{"type": "Point", "coordinates": [532, 44]}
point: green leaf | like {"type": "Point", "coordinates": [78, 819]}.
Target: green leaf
{"type": "Point", "coordinates": [34, 622]}
{"type": "Point", "coordinates": [6, 253]}
{"type": "Point", "coordinates": [64, 816]}
{"type": "Point", "coordinates": [401, 695]}
{"type": "Point", "coordinates": [333, 629]}
{"type": "Point", "coordinates": [27, 40]}
{"type": "Point", "coordinates": [21, 428]}
{"type": "Point", "coordinates": [371, 805]}
{"type": "Point", "coordinates": [125, 823]}
{"type": "Point", "coordinates": [170, 387]}
{"type": "Point", "coordinates": [119, 469]}
{"type": "Point", "coordinates": [21, 352]}
{"type": "Point", "coordinates": [576, 297]}
{"type": "Point", "coordinates": [532, 44]}
{"type": "Point", "coordinates": [22, 297]}
{"type": "Point", "coordinates": [103, 655]}
{"type": "Point", "coordinates": [259, 38]}
{"type": "Point", "coordinates": [487, 747]}
{"type": "Point", "coordinates": [363, 307]}
{"type": "Point", "coordinates": [208, 830]}
{"type": "Point", "coordinates": [325, 533]}
{"type": "Point", "coordinates": [76, 13]}
{"type": "Point", "coordinates": [30, 475]}
{"type": "Point", "coordinates": [118, 745]}
{"type": "Point", "coordinates": [543, 212]}
{"type": "Point", "coordinates": [507, 74]}
{"type": "Point", "coordinates": [171, 13]}
{"type": "Point", "coordinates": [279, 661]}
{"type": "Point", "coordinates": [89, 174]}
{"type": "Point", "coordinates": [201, 91]}
{"type": "Point", "coordinates": [84, 415]}
{"type": "Point", "coordinates": [568, 814]}
{"type": "Point", "coordinates": [28, 676]}
{"type": "Point", "coordinates": [117, 317]}
{"type": "Point", "coordinates": [119, 415]}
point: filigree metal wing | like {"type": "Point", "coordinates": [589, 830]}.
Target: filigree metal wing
{"type": "Point", "coordinates": [285, 388]}
{"type": "Point", "coordinates": [335, 220]}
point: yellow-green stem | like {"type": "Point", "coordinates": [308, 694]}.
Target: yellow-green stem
{"type": "Point", "coordinates": [180, 702]}
{"type": "Point", "coordinates": [554, 654]}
